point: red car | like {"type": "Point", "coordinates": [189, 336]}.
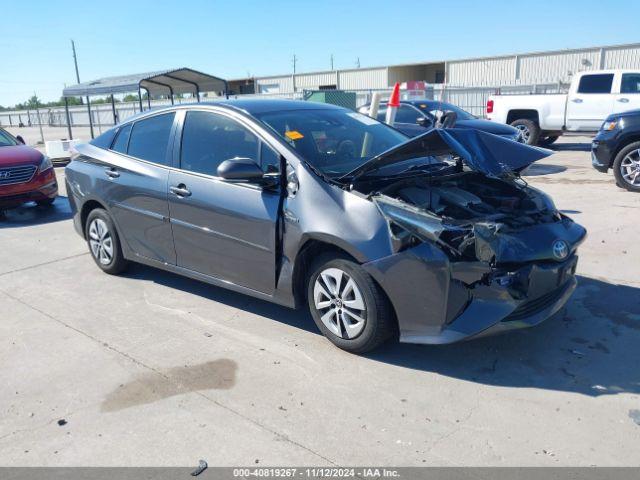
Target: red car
{"type": "Point", "coordinates": [26, 175]}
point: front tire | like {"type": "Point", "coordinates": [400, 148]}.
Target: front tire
{"type": "Point", "coordinates": [104, 243]}
{"type": "Point", "coordinates": [529, 131]}
{"type": "Point", "coordinates": [348, 307]}
{"type": "Point", "coordinates": [626, 167]}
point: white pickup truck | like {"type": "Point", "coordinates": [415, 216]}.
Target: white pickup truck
{"type": "Point", "coordinates": [593, 95]}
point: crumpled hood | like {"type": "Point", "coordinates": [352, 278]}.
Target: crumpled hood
{"type": "Point", "coordinates": [481, 151]}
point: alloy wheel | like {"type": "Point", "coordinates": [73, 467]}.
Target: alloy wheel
{"type": "Point", "coordinates": [100, 241]}
{"type": "Point", "coordinates": [630, 168]}
{"type": "Point", "coordinates": [525, 133]}
{"type": "Point", "coordinates": [340, 303]}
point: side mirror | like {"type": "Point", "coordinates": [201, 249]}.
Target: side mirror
{"type": "Point", "coordinates": [423, 122]}
{"type": "Point", "coordinates": [20, 139]}
{"type": "Point", "coordinates": [245, 170]}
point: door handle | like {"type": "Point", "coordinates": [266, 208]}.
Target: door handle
{"type": "Point", "coordinates": [576, 100]}
{"type": "Point", "coordinates": [180, 191]}
{"type": "Point", "coordinates": [623, 100]}
{"type": "Point", "coordinates": [111, 172]}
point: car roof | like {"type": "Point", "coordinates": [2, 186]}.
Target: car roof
{"type": "Point", "coordinates": [256, 105]}
{"type": "Point", "coordinates": [250, 107]}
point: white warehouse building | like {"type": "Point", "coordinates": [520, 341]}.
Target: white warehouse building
{"type": "Point", "coordinates": [549, 67]}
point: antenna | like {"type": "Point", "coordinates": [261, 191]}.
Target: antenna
{"type": "Point", "coordinates": [357, 62]}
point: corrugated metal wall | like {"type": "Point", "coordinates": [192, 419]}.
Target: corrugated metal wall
{"type": "Point", "coordinates": [363, 78]}
{"type": "Point", "coordinates": [281, 84]}
{"type": "Point", "coordinates": [556, 67]}
{"type": "Point", "coordinates": [623, 57]}
{"type": "Point", "coordinates": [343, 79]}
{"type": "Point", "coordinates": [312, 81]}
{"type": "Point", "coordinates": [479, 73]}
{"type": "Point", "coordinates": [542, 67]}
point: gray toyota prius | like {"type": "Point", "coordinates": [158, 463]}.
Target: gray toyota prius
{"type": "Point", "coordinates": [432, 239]}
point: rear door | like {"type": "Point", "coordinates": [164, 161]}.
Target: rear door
{"type": "Point", "coordinates": [629, 96]}
{"type": "Point", "coordinates": [221, 229]}
{"type": "Point", "coordinates": [589, 102]}
{"type": "Point", "coordinates": [136, 186]}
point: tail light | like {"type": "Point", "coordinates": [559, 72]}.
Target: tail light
{"type": "Point", "coordinates": [489, 106]}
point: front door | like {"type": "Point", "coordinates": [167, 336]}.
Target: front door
{"type": "Point", "coordinates": [224, 230]}
{"type": "Point", "coordinates": [590, 103]}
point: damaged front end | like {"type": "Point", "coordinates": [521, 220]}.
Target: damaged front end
{"type": "Point", "coordinates": [498, 253]}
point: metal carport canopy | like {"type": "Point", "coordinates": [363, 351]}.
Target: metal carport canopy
{"type": "Point", "coordinates": [179, 80]}
{"type": "Point", "coordinates": [164, 82]}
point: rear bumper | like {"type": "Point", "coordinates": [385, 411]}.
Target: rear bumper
{"type": "Point", "coordinates": [42, 186]}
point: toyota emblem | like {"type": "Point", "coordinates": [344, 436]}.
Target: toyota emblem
{"type": "Point", "coordinates": [560, 249]}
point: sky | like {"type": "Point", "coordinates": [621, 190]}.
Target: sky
{"type": "Point", "coordinates": [234, 39]}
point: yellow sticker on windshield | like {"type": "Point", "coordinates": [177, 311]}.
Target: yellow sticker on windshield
{"type": "Point", "coordinates": [294, 135]}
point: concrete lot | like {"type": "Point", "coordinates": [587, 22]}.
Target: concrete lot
{"type": "Point", "coordinates": [153, 369]}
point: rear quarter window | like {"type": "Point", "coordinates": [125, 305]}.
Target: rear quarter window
{"type": "Point", "coordinates": [105, 140]}
{"type": "Point", "coordinates": [122, 140]}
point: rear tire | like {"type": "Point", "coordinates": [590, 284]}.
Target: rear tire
{"type": "Point", "coordinates": [104, 243]}
{"type": "Point", "coordinates": [529, 130]}
{"type": "Point", "coordinates": [348, 307]}
{"type": "Point", "coordinates": [626, 167]}
{"type": "Point", "coordinates": [546, 141]}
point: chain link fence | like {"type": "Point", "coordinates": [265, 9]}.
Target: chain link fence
{"type": "Point", "coordinates": [471, 99]}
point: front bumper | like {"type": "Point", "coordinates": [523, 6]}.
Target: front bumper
{"type": "Point", "coordinates": [602, 151]}
{"type": "Point", "coordinates": [42, 186]}
{"type": "Point", "coordinates": [439, 302]}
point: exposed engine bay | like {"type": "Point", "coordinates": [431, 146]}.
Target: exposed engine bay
{"type": "Point", "coordinates": [475, 217]}
{"type": "Point", "coordinates": [473, 196]}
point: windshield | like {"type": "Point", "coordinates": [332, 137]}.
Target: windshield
{"type": "Point", "coordinates": [7, 140]}
{"type": "Point", "coordinates": [333, 141]}
{"type": "Point", "coordinates": [436, 109]}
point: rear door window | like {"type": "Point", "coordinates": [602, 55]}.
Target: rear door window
{"type": "Point", "coordinates": [599, 83]}
{"type": "Point", "coordinates": [149, 138]}
{"type": "Point", "coordinates": [630, 83]}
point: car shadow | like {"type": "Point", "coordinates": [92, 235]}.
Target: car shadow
{"type": "Point", "coordinates": [295, 318]}
{"type": "Point", "coordinates": [538, 169]}
{"type": "Point", "coordinates": [30, 214]}
{"type": "Point", "coordinates": [588, 347]}
{"type": "Point", "coordinates": [570, 147]}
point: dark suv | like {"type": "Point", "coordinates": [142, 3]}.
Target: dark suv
{"type": "Point", "coordinates": [617, 146]}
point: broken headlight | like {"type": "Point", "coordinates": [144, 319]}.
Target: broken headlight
{"type": "Point", "coordinates": [409, 226]}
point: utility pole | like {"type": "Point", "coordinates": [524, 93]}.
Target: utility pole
{"type": "Point", "coordinates": [38, 114]}
{"type": "Point", "coordinates": [75, 62]}
{"type": "Point", "coordinates": [294, 60]}
{"type": "Point", "coordinates": [331, 60]}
